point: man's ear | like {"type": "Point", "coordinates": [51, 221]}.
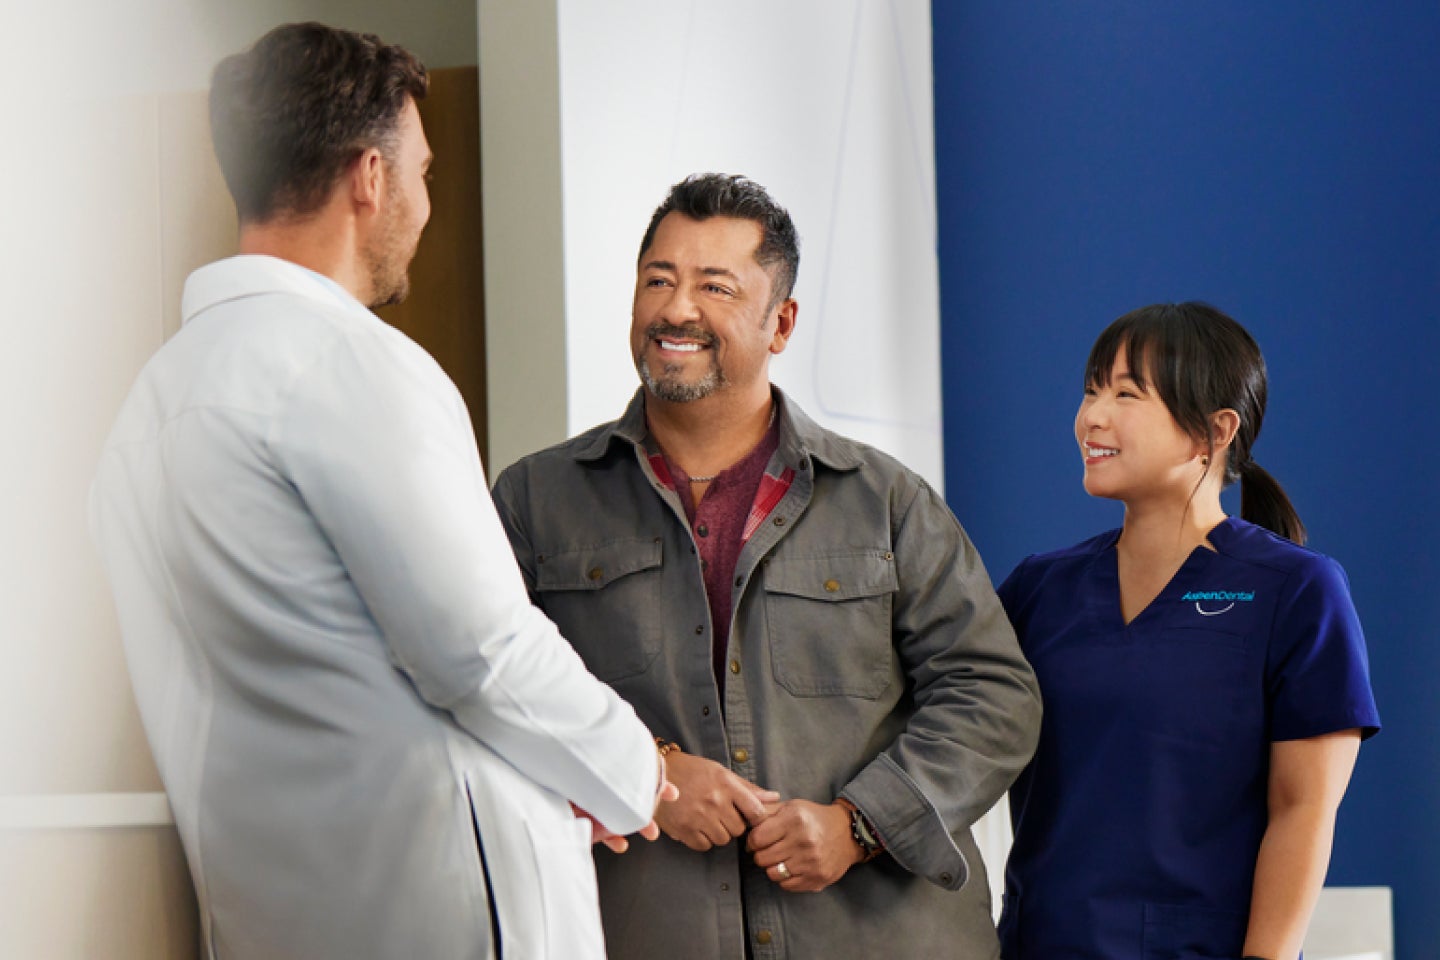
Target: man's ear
{"type": "Point", "coordinates": [367, 179]}
{"type": "Point", "coordinates": [785, 315]}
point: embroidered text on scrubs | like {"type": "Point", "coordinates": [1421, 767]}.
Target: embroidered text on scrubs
{"type": "Point", "coordinates": [1242, 596]}
{"type": "Point", "coordinates": [1228, 597]}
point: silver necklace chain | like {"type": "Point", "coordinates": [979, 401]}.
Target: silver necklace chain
{"type": "Point", "coordinates": [771, 423]}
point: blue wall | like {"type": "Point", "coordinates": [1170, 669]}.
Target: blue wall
{"type": "Point", "coordinates": [1282, 161]}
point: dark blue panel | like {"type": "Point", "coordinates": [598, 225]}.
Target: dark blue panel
{"type": "Point", "coordinates": [1282, 161]}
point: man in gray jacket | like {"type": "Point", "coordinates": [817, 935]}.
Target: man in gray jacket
{"type": "Point", "coordinates": [798, 616]}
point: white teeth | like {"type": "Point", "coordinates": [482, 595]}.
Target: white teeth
{"type": "Point", "coordinates": [1099, 451]}
{"type": "Point", "coordinates": [680, 347]}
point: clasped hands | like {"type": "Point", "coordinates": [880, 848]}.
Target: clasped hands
{"type": "Point", "coordinates": [802, 846]}
{"type": "Point", "coordinates": [665, 794]}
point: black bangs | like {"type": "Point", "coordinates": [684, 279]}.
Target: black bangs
{"type": "Point", "coordinates": [1141, 334]}
{"type": "Point", "coordinates": [1172, 348]}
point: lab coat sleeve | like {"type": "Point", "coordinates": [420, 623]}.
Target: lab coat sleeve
{"type": "Point", "coordinates": [378, 443]}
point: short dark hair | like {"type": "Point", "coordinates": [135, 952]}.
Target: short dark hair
{"type": "Point", "coordinates": [1200, 361]}
{"type": "Point", "coordinates": [291, 113]}
{"type": "Point", "coordinates": [701, 196]}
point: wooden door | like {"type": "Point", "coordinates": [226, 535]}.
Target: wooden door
{"type": "Point", "coordinates": [445, 312]}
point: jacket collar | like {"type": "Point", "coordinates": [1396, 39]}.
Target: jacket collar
{"type": "Point", "coordinates": [801, 439]}
{"type": "Point", "coordinates": [250, 275]}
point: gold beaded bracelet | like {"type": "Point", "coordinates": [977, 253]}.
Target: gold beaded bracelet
{"type": "Point", "coordinates": [665, 747]}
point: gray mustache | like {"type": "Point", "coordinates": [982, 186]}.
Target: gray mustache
{"type": "Point", "coordinates": [687, 332]}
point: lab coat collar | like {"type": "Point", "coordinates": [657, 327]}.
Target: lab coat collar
{"type": "Point", "coordinates": [249, 275]}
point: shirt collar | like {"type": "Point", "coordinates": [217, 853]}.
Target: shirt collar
{"type": "Point", "coordinates": [801, 439]}
{"type": "Point", "coordinates": [249, 275]}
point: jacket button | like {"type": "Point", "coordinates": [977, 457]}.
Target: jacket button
{"type": "Point", "coordinates": [699, 628]}
{"type": "Point", "coordinates": [739, 581]}
{"type": "Point", "coordinates": [779, 521]}
{"type": "Point", "coordinates": [596, 573]}
{"type": "Point", "coordinates": [832, 585]}
{"type": "Point", "coordinates": [741, 755]}
{"type": "Point", "coordinates": [763, 937]}
{"type": "Point", "coordinates": [734, 666]}
{"type": "Point", "coordinates": [704, 711]}
{"type": "Point", "coordinates": [703, 530]}
{"type": "Point", "coordinates": [889, 555]}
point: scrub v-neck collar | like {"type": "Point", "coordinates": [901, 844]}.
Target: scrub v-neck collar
{"type": "Point", "coordinates": [1103, 599]}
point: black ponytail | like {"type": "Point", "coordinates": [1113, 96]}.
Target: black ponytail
{"type": "Point", "coordinates": [1263, 502]}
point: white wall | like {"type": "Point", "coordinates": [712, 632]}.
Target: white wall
{"type": "Point", "coordinates": [828, 104]}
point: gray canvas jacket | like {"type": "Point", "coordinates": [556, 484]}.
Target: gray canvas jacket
{"type": "Point", "coordinates": [868, 658]}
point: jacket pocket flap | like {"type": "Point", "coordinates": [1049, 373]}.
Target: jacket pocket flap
{"type": "Point", "coordinates": [597, 566]}
{"type": "Point", "coordinates": [833, 577]}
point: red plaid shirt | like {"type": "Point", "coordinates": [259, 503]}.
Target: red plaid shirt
{"type": "Point", "coordinates": [737, 501]}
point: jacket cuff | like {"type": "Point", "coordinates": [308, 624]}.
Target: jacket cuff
{"type": "Point", "coordinates": [908, 823]}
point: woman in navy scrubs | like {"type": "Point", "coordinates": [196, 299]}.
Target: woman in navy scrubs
{"type": "Point", "coordinates": [1205, 679]}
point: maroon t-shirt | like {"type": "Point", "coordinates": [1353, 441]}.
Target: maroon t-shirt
{"type": "Point", "coordinates": [718, 525]}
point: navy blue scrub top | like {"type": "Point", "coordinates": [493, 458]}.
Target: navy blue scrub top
{"type": "Point", "coordinates": [1138, 821]}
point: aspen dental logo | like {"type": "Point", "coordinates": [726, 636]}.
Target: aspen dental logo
{"type": "Point", "coordinates": [1212, 603]}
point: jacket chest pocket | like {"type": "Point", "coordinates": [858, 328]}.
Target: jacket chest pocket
{"type": "Point", "coordinates": [828, 622]}
{"type": "Point", "coordinates": [605, 598]}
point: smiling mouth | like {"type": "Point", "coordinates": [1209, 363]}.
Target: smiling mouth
{"type": "Point", "coordinates": [686, 338]}
{"type": "Point", "coordinates": [1099, 453]}
{"type": "Point", "coordinates": [680, 346]}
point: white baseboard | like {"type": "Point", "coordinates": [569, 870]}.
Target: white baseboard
{"type": "Point", "coordinates": [83, 811]}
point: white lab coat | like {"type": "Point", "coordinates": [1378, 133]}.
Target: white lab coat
{"type": "Point", "coordinates": [367, 733]}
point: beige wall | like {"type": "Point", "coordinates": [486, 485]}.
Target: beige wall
{"type": "Point", "coordinates": [110, 197]}
{"type": "Point", "coordinates": [524, 229]}
{"type": "Point", "coordinates": [95, 267]}
{"type": "Point", "coordinates": [98, 892]}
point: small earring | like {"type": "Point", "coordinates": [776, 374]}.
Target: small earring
{"type": "Point", "coordinates": [1204, 461]}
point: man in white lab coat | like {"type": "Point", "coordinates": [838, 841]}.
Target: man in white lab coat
{"type": "Point", "coordinates": [371, 740]}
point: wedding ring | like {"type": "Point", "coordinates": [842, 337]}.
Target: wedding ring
{"type": "Point", "coordinates": [783, 870]}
